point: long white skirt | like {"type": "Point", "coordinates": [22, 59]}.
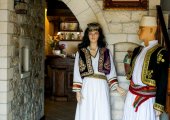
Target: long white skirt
{"type": "Point", "coordinates": [95, 104]}
{"type": "Point", "coordinates": [145, 110]}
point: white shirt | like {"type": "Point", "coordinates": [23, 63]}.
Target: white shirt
{"type": "Point", "coordinates": [136, 76]}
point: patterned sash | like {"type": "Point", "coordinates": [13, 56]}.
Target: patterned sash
{"type": "Point", "coordinates": [142, 93]}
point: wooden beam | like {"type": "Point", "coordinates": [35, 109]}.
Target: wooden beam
{"type": "Point", "coordinates": [168, 94]}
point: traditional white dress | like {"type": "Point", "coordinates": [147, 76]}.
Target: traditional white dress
{"type": "Point", "coordinates": [95, 104]}
{"type": "Point", "coordinates": [145, 110]}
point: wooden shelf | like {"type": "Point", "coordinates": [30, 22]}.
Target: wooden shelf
{"type": "Point", "coordinates": [70, 31]}
{"type": "Point", "coordinates": [71, 40]}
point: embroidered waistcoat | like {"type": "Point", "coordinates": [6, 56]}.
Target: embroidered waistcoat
{"type": "Point", "coordinates": [85, 63]}
{"type": "Point", "coordinates": [154, 71]}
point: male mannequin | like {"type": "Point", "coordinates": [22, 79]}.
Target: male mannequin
{"type": "Point", "coordinates": [148, 74]}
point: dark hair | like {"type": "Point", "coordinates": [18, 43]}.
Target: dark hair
{"type": "Point", "coordinates": [86, 42]}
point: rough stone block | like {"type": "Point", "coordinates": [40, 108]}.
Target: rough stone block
{"type": "Point", "coordinates": [116, 38]}
{"type": "Point", "coordinates": [13, 17]}
{"type": "Point", "coordinates": [91, 2]}
{"type": "Point", "coordinates": [102, 22]}
{"type": "Point", "coordinates": [120, 69]}
{"type": "Point", "coordinates": [153, 3]}
{"type": "Point", "coordinates": [100, 3]}
{"type": "Point", "coordinates": [152, 12]}
{"type": "Point", "coordinates": [115, 27]}
{"type": "Point", "coordinates": [10, 50]}
{"type": "Point", "coordinates": [133, 38]}
{"type": "Point", "coordinates": [10, 96]}
{"type": "Point", "coordinates": [117, 16]}
{"type": "Point", "coordinates": [124, 46]}
{"type": "Point", "coordinates": [119, 56]}
{"type": "Point", "coordinates": [81, 6]}
{"type": "Point", "coordinates": [66, 1]}
{"type": "Point", "coordinates": [95, 8]}
{"type": "Point", "coordinates": [111, 48]}
{"type": "Point", "coordinates": [85, 20]}
{"type": "Point", "coordinates": [130, 27]}
{"type": "Point", "coordinates": [137, 15]}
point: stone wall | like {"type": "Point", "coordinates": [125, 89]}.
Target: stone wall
{"type": "Point", "coordinates": [21, 98]}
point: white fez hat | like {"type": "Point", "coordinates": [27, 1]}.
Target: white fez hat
{"type": "Point", "coordinates": [149, 21]}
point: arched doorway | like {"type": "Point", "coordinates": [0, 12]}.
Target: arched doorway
{"type": "Point", "coordinates": [62, 28]}
{"type": "Point", "coordinates": [55, 11]}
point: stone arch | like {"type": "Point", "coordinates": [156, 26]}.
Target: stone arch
{"type": "Point", "coordinates": [120, 50]}
{"type": "Point", "coordinates": [87, 11]}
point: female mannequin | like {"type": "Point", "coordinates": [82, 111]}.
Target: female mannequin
{"type": "Point", "coordinates": [94, 74]}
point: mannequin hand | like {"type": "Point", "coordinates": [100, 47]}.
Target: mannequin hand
{"type": "Point", "coordinates": [158, 113]}
{"type": "Point", "coordinates": [79, 97]}
{"type": "Point", "coordinates": [121, 91]}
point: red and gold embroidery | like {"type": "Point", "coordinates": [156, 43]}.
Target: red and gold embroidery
{"type": "Point", "coordinates": [142, 93]}
{"type": "Point", "coordinates": [82, 66]}
{"type": "Point", "coordinates": [112, 83]}
{"type": "Point", "coordinates": [107, 64]}
{"type": "Point", "coordinates": [158, 107]}
{"type": "Point", "coordinates": [159, 56]}
{"type": "Point", "coordinates": [101, 59]}
{"type": "Point", "coordinates": [88, 62]}
{"type": "Point", "coordinates": [77, 86]}
{"type": "Point", "coordinates": [146, 80]}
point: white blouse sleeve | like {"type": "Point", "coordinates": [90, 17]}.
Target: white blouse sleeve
{"type": "Point", "coordinates": [77, 80]}
{"type": "Point", "coordinates": [112, 77]}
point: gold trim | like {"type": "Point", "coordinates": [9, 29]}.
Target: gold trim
{"type": "Point", "coordinates": [101, 59]}
{"type": "Point", "coordinates": [107, 64]}
{"type": "Point", "coordinates": [150, 82]}
{"type": "Point", "coordinates": [88, 62]}
{"type": "Point", "coordinates": [133, 64]}
{"type": "Point", "coordinates": [112, 83]}
{"type": "Point", "coordinates": [159, 56]}
{"type": "Point", "coordinates": [98, 76]}
{"type": "Point", "coordinates": [144, 78]}
{"type": "Point", "coordinates": [149, 73]}
{"type": "Point", "coordinates": [82, 65]}
{"type": "Point", "coordinates": [158, 107]}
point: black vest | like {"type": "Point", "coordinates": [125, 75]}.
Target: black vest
{"type": "Point", "coordinates": [154, 71]}
{"type": "Point", "coordinates": [85, 63]}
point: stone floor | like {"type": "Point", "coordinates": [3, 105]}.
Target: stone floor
{"type": "Point", "coordinates": [59, 110]}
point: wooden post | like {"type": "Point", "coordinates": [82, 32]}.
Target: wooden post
{"type": "Point", "coordinates": [168, 94]}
